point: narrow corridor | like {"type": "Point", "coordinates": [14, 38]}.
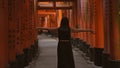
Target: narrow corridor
{"type": "Point", "coordinates": [96, 37]}
{"type": "Point", "coordinates": [47, 56]}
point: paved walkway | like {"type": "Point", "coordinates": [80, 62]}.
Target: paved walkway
{"type": "Point", "coordinates": [47, 57]}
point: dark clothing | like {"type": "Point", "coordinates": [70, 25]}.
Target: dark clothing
{"type": "Point", "coordinates": [65, 55]}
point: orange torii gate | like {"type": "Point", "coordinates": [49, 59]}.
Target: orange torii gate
{"type": "Point", "coordinates": [12, 32]}
{"type": "Point", "coordinates": [99, 32]}
{"type": "Point", "coordinates": [111, 55]}
{"type": "Point", "coordinates": [18, 32]}
{"type": "Point", "coordinates": [106, 29]}
{"type": "Point", "coordinates": [92, 18]}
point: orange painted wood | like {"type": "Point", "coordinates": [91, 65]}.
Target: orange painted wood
{"type": "Point", "coordinates": [83, 19]}
{"type": "Point", "coordinates": [92, 23]}
{"type": "Point", "coordinates": [19, 46]}
{"type": "Point", "coordinates": [12, 32]}
{"type": "Point", "coordinates": [79, 18]}
{"type": "Point", "coordinates": [89, 23]}
{"type": "Point", "coordinates": [3, 33]}
{"type": "Point", "coordinates": [26, 25]}
{"type": "Point", "coordinates": [22, 15]}
{"type": "Point", "coordinates": [82, 34]}
{"type": "Point", "coordinates": [32, 22]}
{"type": "Point", "coordinates": [99, 31]}
{"type": "Point", "coordinates": [74, 21]}
{"type": "Point", "coordinates": [107, 28]}
{"type": "Point", "coordinates": [115, 32]}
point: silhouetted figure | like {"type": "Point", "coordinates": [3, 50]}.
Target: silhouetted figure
{"type": "Point", "coordinates": [64, 50]}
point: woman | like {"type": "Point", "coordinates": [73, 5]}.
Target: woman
{"type": "Point", "coordinates": [64, 50]}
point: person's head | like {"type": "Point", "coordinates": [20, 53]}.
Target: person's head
{"type": "Point", "coordinates": [64, 22]}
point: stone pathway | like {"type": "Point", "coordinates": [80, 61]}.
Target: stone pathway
{"type": "Point", "coordinates": [47, 56]}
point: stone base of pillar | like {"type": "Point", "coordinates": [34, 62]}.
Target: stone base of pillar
{"type": "Point", "coordinates": [81, 45]}
{"type": "Point", "coordinates": [20, 61]}
{"type": "Point", "coordinates": [26, 58]}
{"type": "Point", "coordinates": [98, 56]}
{"type": "Point", "coordinates": [36, 45]}
{"type": "Point", "coordinates": [91, 51]}
{"type": "Point", "coordinates": [105, 60]}
{"type": "Point", "coordinates": [33, 51]}
{"type": "Point", "coordinates": [12, 64]}
{"type": "Point", "coordinates": [84, 46]}
{"type": "Point", "coordinates": [109, 63]}
{"type": "Point", "coordinates": [87, 48]}
{"type": "Point", "coordinates": [114, 64]}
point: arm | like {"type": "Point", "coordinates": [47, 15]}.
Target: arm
{"type": "Point", "coordinates": [42, 28]}
{"type": "Point", "coordinates": [81, 30]}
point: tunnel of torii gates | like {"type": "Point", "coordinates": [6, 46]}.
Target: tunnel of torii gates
{"type": "Point", "coordinates": [19, 19]}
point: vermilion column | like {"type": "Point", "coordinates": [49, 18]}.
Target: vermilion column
{"type": "Point", "coordinates": [92, 27]}
{"type": "Point", "coordinates": [86, 20]}
{"type": "Point", "coordinates": [114, 35]}
{"type": "Point", "coordinates": [11, 27]}
{"type": "Point", "coordinates": [99, 24]}
{"type": "Point", "coordinates": [89, 23]}
{"type": "Point", "coordinates": [33, 23]}
{"type": "Point", "coordinates": [3, 33]}
{"type": "Point", "coordinates": [18, 38]}
{"type": "Point", "coordinates": [111, 56]}
{"type": "Point", "coordinates": [22, 14]}
{"type": "Point", "coordinates": [99, 32]}
{"type": "Point", "coordinates": [81, 27]}
{"type": "Point", "coordinates": [83, 20]}
{"type": "Point", "coordinates": [59, 17]}
{"type": "Point", "coordinates": [30, 17]}
{"type": "Point", "coordinates": [26, 24]}
{"type": "Point", "coordinates": [115, 32]}
{"type": "Point", "coordinates": [75, 22]}
{"type": "Point", "coordinates": [79, 17]}
{"type": "Point", "coordinates": [107, 30]}
{"type": "Point", "coordinates": [18, 27]}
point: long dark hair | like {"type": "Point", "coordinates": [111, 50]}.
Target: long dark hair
{"type": "Point", "coordinates": [64, 31]}
{"type": "Point", "coordinates": [64, 23]}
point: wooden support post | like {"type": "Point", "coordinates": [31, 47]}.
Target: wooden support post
{"type": "Point", "coordinates": [111, 56]}
{"type": "Point", "coordinates": [88, 26]}
{"type": "Point", "coordinates": [3, 33]}
{"type": "Point", "coordinates": [107, 30]}
{"type": "Point", "coordinates": [115, 31]}
{"type": "Point", "coordinates": [12, 33]}
{"type": "Point", "coordinates": [92, 26]}
{"type": "Point", "coordinates": [79, 17]}
{"type": "Point", "coordinates": [74, 22]}
{"type": "Point", "coordinates": [83, 25]}
{"type": "Point", "coordinates": [22, 19]}
{"type": "Point", "coordinates": [99, 32]}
